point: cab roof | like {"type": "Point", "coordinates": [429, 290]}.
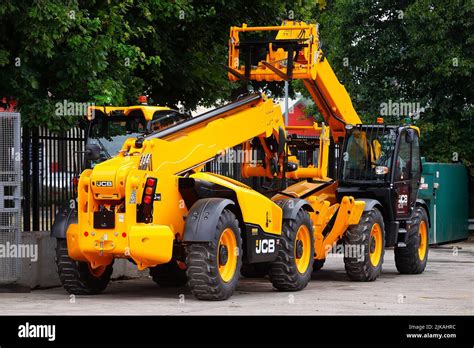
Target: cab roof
{"type": "Point", "coordinates": [147, 110]}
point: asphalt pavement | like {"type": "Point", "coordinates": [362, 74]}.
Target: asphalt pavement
{"type": "Point", "coordinates": [445, 288]}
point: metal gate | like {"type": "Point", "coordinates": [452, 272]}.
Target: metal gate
{"type": "Point", "coordinates": [10, 195]}
{"type": "Point", "coordinates": [51, 162]}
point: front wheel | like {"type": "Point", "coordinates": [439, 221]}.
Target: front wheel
{"type": "Point", "coordinates": [412, 258]}
{"type": "Point", "coordinates": [78, 277]}
{"type": "Point", "coordinates": [364, 247]}
{"type": "Point", "coordinates": [292, 269]}
{"type": "Point", "coordinates": [214, 267]}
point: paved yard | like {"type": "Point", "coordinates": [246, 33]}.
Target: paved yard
{"type": "Point", "coordinates": [446, 288]}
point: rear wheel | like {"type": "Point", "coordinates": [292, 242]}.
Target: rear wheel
{"type": "Point", "coordinates": [412, 258]}
{"type": "Point", "coordinates": [214, 268]}
{"type": "Point", "coordinates": [364, 247]}
{"type": "Point", "coordinates": [77, 277]}
{"type": "Point", "coordinates": [169, 274]}
{"type": "Point", "coordinates": [292, 269]}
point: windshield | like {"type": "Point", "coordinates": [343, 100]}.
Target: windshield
{"type": "Point", "coordinates": [167, 118]}
{"type": "Point", "coordinates": [110, 133]}
{"type": "Point", "coordinates": [368, 154]}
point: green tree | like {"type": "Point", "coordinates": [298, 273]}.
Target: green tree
{"type": "Point", "coordinates": [112, 51]}
{"type": "Point", "coordinates": [51, 51]}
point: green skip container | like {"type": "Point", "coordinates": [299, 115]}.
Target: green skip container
{"type": "Point", "coordinates": [444, 187]}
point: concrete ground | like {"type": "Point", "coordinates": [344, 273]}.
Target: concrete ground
{"type": "Point", "coordinates": [445, 288]}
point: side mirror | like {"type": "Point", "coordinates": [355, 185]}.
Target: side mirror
{"type": "Point", "coordinates": [92, 152]}
{"type": "Point", "coordinates": [281, 141]}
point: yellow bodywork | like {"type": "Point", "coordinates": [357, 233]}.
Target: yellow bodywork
{"type": "Point", "coordinates": [147, 110]}
{"type": "Point", "coordinates": [256, 208]}
{"type": "Point", "coordinates": [322, 198]}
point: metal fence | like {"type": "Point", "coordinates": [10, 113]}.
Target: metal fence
{"type": "Point", "coordinates": [50, 163]}
{"type": "Point", "coordinates": [229, 169]}
{"type": "Point", "coordinates": [10, 196]}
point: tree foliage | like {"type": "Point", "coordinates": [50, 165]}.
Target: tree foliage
{"type": "Point", "coordinates": [412, 51]}
{"type": "Point", "coordinates": [402, 51]}
{"type": "Point", "coordinates": [112, 51]}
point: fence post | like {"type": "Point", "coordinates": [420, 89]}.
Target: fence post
{"type": "Point", "coordinates": [35, 178]}
{"type": "Point", "coordinates": [26, 146]}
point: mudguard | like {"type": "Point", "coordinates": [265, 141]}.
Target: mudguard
{"type": "Point", "coordinates": [291, 206]}
{"type": "Point", "coordinates": [203, 217]}
{"type": "Point", "coordinates": [63, 219]}
{"type": "Point", "coordinates": [370, 204]}
{"type": "Point", "coordinates": [421, 203]}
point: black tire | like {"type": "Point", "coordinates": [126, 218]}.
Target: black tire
{"type": "Point", "coordinates": [318, 264]}
{"type": "Point", "coordinates": [203, 259]}
{"type": "Point", "coordinates": [255, 270]}
{"type": "Point", "coordinates": [357, 238]}
{"type": "Point", "coordinates": [168, 274]}
{"type": "Point", "coordinates": [407, 259]}
{"type": "Point", "coordinates": [76, 276]}
{"type": "Point", "coordinates": [284, 273]}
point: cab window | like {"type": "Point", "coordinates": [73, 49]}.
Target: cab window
{"type": "Point", "coordinates": [415, 159]}
{"type": "Point", "coordinates": [402, 161]}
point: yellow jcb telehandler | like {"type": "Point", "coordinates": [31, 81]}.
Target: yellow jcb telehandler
{"type": "Point", "coordinates": [153, 205]}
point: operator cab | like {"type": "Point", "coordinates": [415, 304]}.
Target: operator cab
{"type": "Point", "coordinates": [382, 162]}
{"type": "Point", "coordinates": [110, 130]}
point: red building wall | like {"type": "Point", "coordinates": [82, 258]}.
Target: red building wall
{"type": "Point", "coordinates": [297, 117]}
{"type": "Point", "coordinates": [7, 105]}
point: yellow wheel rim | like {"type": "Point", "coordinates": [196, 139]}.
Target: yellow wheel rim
{"type": "Point", "coordinates": [227, 255]}
{"type": "Point", "coordinates": [302, 249]}
{"type": "Point", "coordinates": [423, 231]}
{"type": "Point", "coordinates": [375, 244]}
{"type": "Point", "coordinates": [97, 272]}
